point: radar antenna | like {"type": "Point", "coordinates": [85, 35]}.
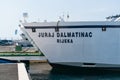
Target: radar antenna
{"type": "Point", "coordinates": [68, 16]}
{"type": "Point", "coordinates": [113, 18]}
{"type": "Point", "coordinates": [25, 16]}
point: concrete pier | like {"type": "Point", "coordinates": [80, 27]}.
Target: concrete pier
{"type": "Point", "coordinates": [14, 71]}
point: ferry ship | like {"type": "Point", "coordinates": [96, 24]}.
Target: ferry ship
{"type": "Point", "coordinates": [86, 44]}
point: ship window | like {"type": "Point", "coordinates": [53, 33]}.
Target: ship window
{"type": "Point", "coordinates": [33, 30]}
{"type": "Point", "coordinates": [88, 63]}
{"type": "Point", "coordinates": [103, 28]}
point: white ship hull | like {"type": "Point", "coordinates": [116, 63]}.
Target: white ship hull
{"type": "Point", "coordinates": [81, 44]}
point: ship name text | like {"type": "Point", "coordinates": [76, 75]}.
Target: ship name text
{"type": "Point", "coordinates": [65, 37]}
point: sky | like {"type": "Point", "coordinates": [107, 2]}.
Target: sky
{"type": "Point", "coordinates": [11, 12]}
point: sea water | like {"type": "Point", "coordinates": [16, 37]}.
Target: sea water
{"type": "Point", "coordinates": [42, 71]}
